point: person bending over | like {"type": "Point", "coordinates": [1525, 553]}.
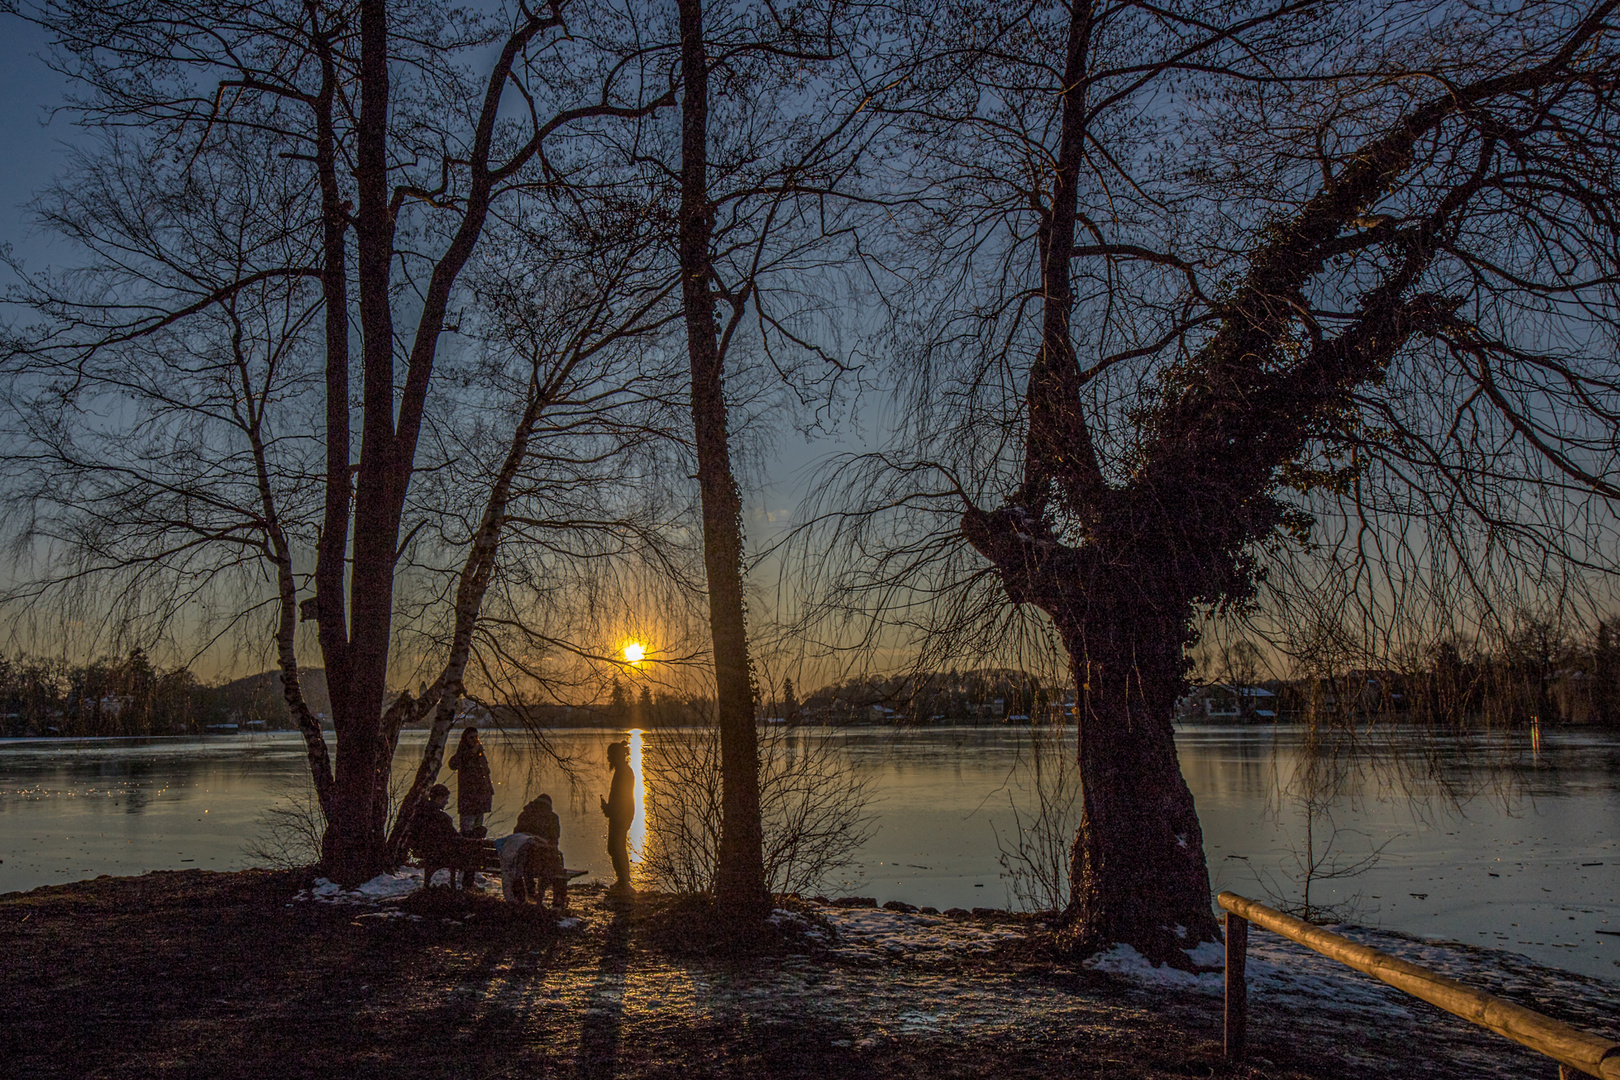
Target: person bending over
{"type": "Point", "coordinates": [544, 857]}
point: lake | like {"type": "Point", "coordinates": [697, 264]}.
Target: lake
{"type": "Point", "coordinates": [1512, 843]}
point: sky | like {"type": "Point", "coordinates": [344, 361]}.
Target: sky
{"type": "Point", "coordinates": [35, 143]}
{"type": "Point", "coordinates": [36, 148]}
{"type": "Point", "coordinates": [33, 140]}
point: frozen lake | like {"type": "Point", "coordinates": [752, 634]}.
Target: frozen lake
{"type": "Point", "coordinates": [1511, 845]}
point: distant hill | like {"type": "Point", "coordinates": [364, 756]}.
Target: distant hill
{"type": "Point", "coordinates": [258, 697]}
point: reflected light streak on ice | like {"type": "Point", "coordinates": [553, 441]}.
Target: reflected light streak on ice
{"type": "Point", "coordinates": [638, 827]}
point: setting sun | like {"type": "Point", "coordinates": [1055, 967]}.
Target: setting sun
{"type": "Point", "coordinates": [633, 653]}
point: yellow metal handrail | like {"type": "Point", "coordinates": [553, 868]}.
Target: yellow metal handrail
{"type": "Point", "coordinates": [1567, 1045]}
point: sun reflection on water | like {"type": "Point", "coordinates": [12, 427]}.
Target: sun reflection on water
{"type": "Point", "coordinates": [638, 827]}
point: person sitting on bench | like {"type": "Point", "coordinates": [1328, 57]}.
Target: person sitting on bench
{"type": "Point", "coordinates": [438, 843]}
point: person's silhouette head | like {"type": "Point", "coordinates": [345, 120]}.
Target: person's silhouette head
{"type": "Point", "coordinates": [618, 754]}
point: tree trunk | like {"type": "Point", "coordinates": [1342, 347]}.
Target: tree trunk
{"type": "Point", "coordinates": [356, 643]}
{"type": "Point", "coordinates": [740, 869]}
{"type": "Point", "coordinates": [352, 848]}
{"type": "Point", "coordinates": [1137, 873]}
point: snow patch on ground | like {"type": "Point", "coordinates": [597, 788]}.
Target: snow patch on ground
{"type": "Point", "coordinates": [1289, 976]}
{"type": "Point", "coordinates": [388, 889]}
{"type": "Point", "coordinates": [1127, 962]}
{"type": "Point", "coordinates": [380, 889]}
{"type": "Point", "coordinates": [1278, 971]}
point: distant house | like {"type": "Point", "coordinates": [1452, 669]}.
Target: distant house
{"type": "Point", "coordinates": [880, 714]}
{"type": "Point", "coordinates": [1229, 703]}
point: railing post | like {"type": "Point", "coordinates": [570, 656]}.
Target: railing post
{"type": "Point", "coordinates": [1237, 988]}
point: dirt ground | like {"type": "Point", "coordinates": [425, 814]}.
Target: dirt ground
{"type": "Point", "coordinates": [198, 974]}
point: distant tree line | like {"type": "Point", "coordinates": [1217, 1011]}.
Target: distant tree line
{"type": "Point", "coordinates": [626, 707]}
{"type": "Point", "coordinates": [1538, 670]}
{"type": "Point", "coordinates": [987, 694]}
{"type": "Point", "coordinates": [110, 697]}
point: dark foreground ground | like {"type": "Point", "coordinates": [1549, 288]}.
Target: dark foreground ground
{"type": "Point", "coordinates": [197, 974]}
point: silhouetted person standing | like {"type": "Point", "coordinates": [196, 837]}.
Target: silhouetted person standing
{"type": "Point", "coordinates": [475, 793]}
{"type": "Point", "coordinates": [620, 808]}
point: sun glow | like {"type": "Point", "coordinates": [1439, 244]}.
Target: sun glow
{"type": "Point", "coordinates": [634, 653]}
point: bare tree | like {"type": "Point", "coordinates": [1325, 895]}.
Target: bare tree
{"type": "Point", "coordinates": [815, 810]}
{"type": "Point", "coordinates": [1177, 278]}
{"type": "Point", "coordinates": [740, 878]}
{"type": "Point", "coordinates": [391, 186]}
{"type": "Point", "coordinates": [759, 205]}
{"type": "Point", "coordinates": [575, 332]}
{"type": "Point", "coordinates": [1035, 859]}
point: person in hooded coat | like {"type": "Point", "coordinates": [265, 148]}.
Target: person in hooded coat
{"type": "Point", "coordinates": [475, 791]}
{"type": "Point", "coordinates": [530, 857]}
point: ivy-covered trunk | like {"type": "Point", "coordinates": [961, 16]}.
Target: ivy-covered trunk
{"type": "Point", "coordinates": [1137, 873]}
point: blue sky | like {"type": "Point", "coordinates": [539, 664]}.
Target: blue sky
{"type": "Point", "coordinates": [35, 144]}
{"type": "Point", "coordinates": [32, 139]}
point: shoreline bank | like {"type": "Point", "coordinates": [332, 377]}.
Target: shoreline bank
{"type": "Point", "coordinates": [196, 973]}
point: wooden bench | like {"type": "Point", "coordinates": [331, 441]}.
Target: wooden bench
{"type": "Point", "coordinates": [489, 861]}
{"type": "Point", "coordinates": [461, 860]}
